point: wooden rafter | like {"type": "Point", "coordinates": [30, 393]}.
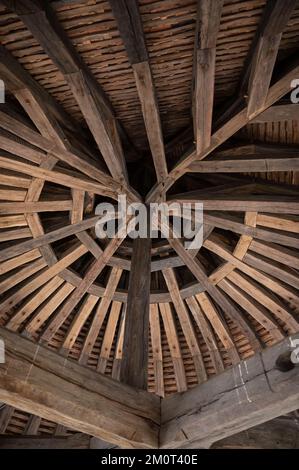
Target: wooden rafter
{"type": "Point", "coordinates": [129, 23]}
{"type": "Point", "coordinates": [207, 27]}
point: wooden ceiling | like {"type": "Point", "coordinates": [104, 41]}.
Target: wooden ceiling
{"type": "Point", "coordinates": [105, 98]}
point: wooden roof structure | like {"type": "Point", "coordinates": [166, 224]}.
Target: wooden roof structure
{"type": "Point", "coordinates": [160, 100]}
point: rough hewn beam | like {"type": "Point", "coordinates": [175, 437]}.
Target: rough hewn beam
{"type": "Point", "coordinates": [207, 27]}
{"type": "Point", "coordinates": [134, 362]}
{"type": "Point", "coordinates": [249, 394]}
{"type": "Point", "coordinates": [126, 13]}
{"type": "Point", "coordinates": [39, 381]}
{"type": "Point", "coordinates": [263, 56]}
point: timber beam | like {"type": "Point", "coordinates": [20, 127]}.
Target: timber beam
{"type": "Point", "coordinates": [250, 393]}
{"type": "Point", "coordinates": [42, 382]}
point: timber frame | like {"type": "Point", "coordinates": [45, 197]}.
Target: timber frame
{"type": "Point", "coordinates": [144, 343]}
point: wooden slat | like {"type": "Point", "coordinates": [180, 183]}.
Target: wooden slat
{"type": "Point", "coordinates": [239, 120]}
{"type": "Point", "coordinates": [42, 314]}
{"type": "Point", "coordinates": [174, 346]}
{"type": "Point", "coordinates": [100, 315]}
{"type": "Point", "coordinates": [39, 381]}
{"type": "Point", "coordinates": [157, 349]}
{"type": "Point", "coordinates": [93, 272]}
{"type": "Point", "coordinates": [33, 303]}
{"type": "Point", "coordinates": [229, 223]}
{"type": "Point", "coordinates": [276, 252]}
{"type": "Point", "coordinates": [5, 415]}
{"type": "Point", "coordinates": [19, 261]}
{"type": "Point", "coordinates": [109, 336]}
{"type": "Point", "coordinates": [224, 303]}
{"type": "Point", "coordinates": [41, 279]}
{"type": "Point", "coordinates": [250, 306]}
{"type": "Point", "coordinates": [246, 164]}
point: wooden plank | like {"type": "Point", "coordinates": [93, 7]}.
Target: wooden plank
{"type": "Point", "coordinates": [33, 303]}
{"type": "Point", "coordinates": [22, 274]}
{"type": "Point", "coordinates": [76, 441]}
{"type": "Point", "coordinates": [186, 324]}
{"type": "Point", "coordinates": [174, 346]}
{"type": "Point", "coordinates": [207, 27]}
{"type": "Point", "coordinates": [38, 380]}
{"type": "Point", "coordinates": [279, 223]}
{"type": "Point", "coordinates": [32, 425]}
{"type": "Point", "coordinates": [73, 158]}
{"type": "Point", "coordinates": [249, 394]}
{"type": "Point", "coordinates": [266, 299]}
{"type": "Point", "coordinates": [19, 261]}
{"type": "Point", "coordinates": [100, 315]}
{"type": "Point", "coordinates": [273, 268]}
{"type": "Point", "coordinates": [157, 349]}
{"type": "Point", "coordinates": [134, 363]}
